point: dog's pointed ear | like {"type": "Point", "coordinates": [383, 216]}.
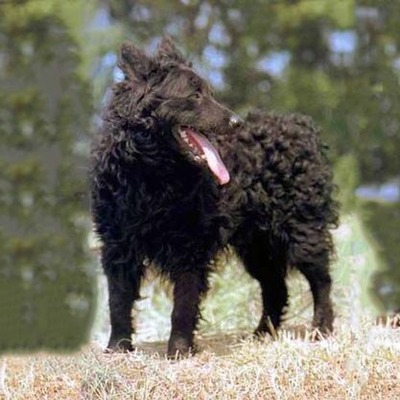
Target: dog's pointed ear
{"type": "Point", "coordinates": [134, 63]}
{"type": "Point", "coordinates": [168, 52]}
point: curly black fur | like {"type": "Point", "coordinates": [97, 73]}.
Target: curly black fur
{"type": "Point", "coordinates": [153, 202]}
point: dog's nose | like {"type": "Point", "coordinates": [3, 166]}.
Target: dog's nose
{"type": "Point", "coordinates": [235, 121]}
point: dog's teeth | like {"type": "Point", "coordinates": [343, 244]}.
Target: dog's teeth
{"type": "Point", "coordinates": [194, 152]}
{"type": "Point", "coordinates": [182, 133]}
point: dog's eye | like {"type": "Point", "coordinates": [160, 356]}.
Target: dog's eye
{"type": "Point", "coordinates": [197, 95]}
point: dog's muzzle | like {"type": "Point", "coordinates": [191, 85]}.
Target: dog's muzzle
{"type": "Point", "coordinates": [235, 121]}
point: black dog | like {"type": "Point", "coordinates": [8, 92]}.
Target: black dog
{"type": "Point", "coordinates": [161, 194]}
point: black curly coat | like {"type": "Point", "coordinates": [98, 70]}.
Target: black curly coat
{"type": "Point", "coordinates": [161, 195]}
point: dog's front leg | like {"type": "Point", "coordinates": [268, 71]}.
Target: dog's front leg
{"type": "Point", "coordinates": [189, 286]}
{"type": "Point", "coordinates": [123, 278]}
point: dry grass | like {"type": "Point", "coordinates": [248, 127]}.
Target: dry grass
{"type": "Point", "coordinates": [350, 365]}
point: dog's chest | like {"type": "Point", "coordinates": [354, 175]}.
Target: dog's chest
{"type": "Point", "coordinates": [169, 214]}
{"type": "Point", "coordinates": [178, 235]}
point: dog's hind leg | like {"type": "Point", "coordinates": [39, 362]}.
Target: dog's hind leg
{"type": "Point", "coordinates": [310, 255]}
{"type": "Point", "coordinates": [124, 278]}
{"type": "Point", "coordinates": [320, 283]}
{"type": "Point", "coordinates": [189, 287]}
{"type": "Point", "coordinates": [268, 266]}
{"type": "Point", "coordinates": [274, 298]}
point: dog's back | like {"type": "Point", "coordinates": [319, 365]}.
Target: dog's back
{"type": "Point", "coordinates": [279, 161]}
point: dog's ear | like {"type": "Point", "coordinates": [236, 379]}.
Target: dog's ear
{"type": "Point", "coordinates": [168, 52]}
{"type": "Point", "coordinates": [134, 63]}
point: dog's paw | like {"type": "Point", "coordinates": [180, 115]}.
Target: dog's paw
{"type": "Point", "coordinates": [180, 347]}
{"type": "Point", "coordinates": [119, 346]}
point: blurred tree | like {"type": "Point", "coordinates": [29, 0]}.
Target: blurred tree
{"type": "Point", "coordinates": [47, 292]}
{"type": "Point", "coordinates": [337, 61]}
{"type": "Point", "coordinates": [383, 221]}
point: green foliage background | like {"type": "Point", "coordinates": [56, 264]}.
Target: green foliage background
{"type": "Point", "coordinates": [56, 61]}
{"type": "Point", "coordinates": [47, 291]}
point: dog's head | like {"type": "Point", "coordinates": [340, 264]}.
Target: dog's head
{"type": "Point", "coordinates": [165, 87]}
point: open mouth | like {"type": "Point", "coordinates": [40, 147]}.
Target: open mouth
{"type": "Point", "coordinates": [201, 150]}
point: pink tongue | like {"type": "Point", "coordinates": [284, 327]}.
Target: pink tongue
{"type": "Point", "coordinates": [213, 159]}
